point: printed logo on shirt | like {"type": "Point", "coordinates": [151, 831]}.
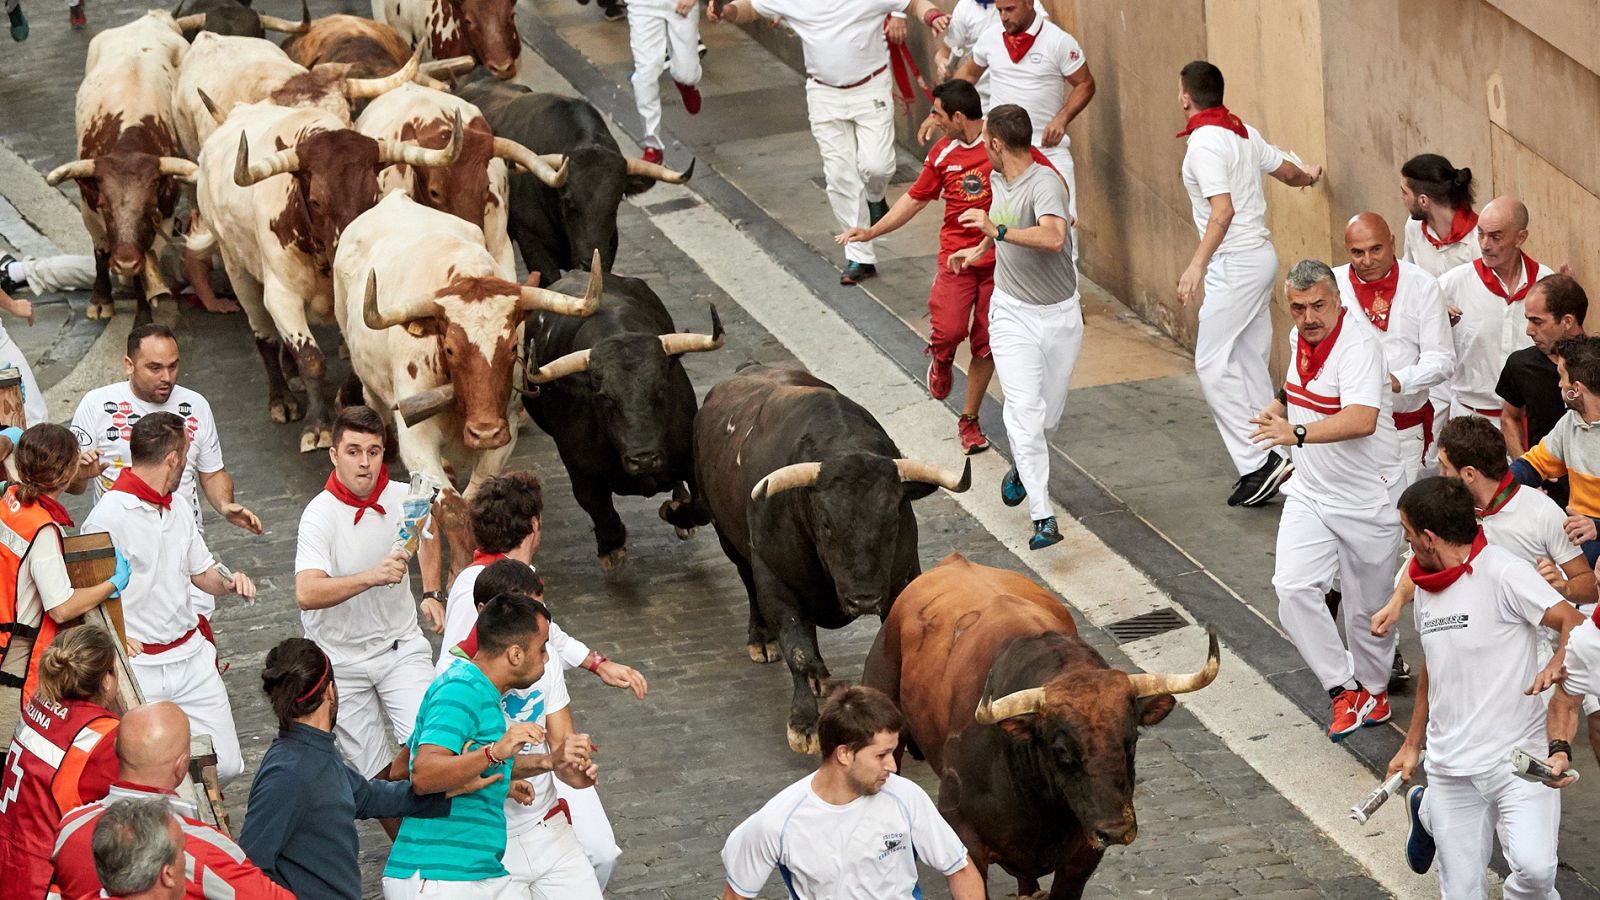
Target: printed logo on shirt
{"type": "Point", "coordinates": [115, 433]}
{"type": "Point", "coordinates": [1036, 57]}
{"type": "Point", "coordinates": [183, 409]}
{"type": "Point", "coordinates": [1072, 55]}
{"type": "Point", "coordinates": [893, 842]}
{"type": "Point", "coordinates": [974, 185]}
{"type": "Point", "coordinates": [524, 708]}
{"type": "Point", "coordinates": [84, 440]}
{"type": "Point", "coordinates": [109, 406]}
{"type": "Point", "coordinates": [1430, 624]}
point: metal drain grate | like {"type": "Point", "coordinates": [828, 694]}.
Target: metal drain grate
{"type": "Point", "coordinates": [1147, 625]}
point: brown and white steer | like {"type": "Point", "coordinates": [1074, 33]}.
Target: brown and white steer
{"type": "Point", "coordinates": [474, 186]}
{"type": "Point", "coordinates": [425, 310]}
{"type": "Point", "coordinates": [486, 30]}
{"type": "Point", "coordinates": [129, 159]}
{"type": "Point", "coordinates": [277, 218]}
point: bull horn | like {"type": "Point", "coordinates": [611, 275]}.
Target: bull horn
{"type": "Point", "coordinates": [273, 23]}
{"type": "Point", "coordinates": [378, 321]}
{"type": "Point", "coordinates": [82, 168]}
{"type": "Point", "coordinates": [191, 23]}
{"type": "Point", "coordinates": [181, 169]}
{"type": "Point", "coordinates": [1022, 703]}
{"type": "Point", "coordinates": [246, 173]}
{"type": "Point", "coordinates": [570, 364]}
{"type": "Point", "coordinates": [659, 172]}
{"type": "Point", "coordinates": [367, 88]}
{"type": "Point", "coordinates": [534, 299]}
{"type": "Point", "coordinates": [511, 151]}
{"type": "Point", "coordinates": [1150, 685]}
{"type": "Point", "coordinates": [211, 107]}
{"type": "Point", "coordinates": [449, 68]}
{"type": "Point", "coordinates": [393, 152]}
{"type": "Point", "coordinates": [792, 476]}
{"type": "Point", "coordinates": [929, 473]}
{"type": "Point", "coordinates": [419, 408]}
{"type": "Point", "coordinates": [674, 344]}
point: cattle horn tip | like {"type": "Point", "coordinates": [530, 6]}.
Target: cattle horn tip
{"type": "Point", "coordinates": [79, 168]}
{"type": "Point", "coordinates": [211, 106]}
{"type": "Point", "coordinates": [241, 164]}
{"type": "Point", "coordinates": [966, 478]}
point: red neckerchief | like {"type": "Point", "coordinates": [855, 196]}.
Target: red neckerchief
{"type": "Point", "coordinates": [1017, 45]}
{"type": "Point", "coordinates": [480, 558]}
{"type": "Point", "coordinates": [1492, 281]}
{"type": "Point", "coordinates": [362, 504]}
{"type": "Point", "coordinates": [1216, 115]}
{"type": "Point", "coordinates": [58, 513]}
{"type": "Point", "coordinates": [1308, 360]}
{"type": "Point", "coordinates": [1377, 297]}
{"type": "Point", "coordinates": [469, 644]}
{"type": "Point", "coordinates": [1434, 582]}
{"type": "Point", "coordinates": [1460, 227]}
{"type": "Point", "coordinates": [129, 483]}
{"type": "Point", "coordinates": [1502, 495]}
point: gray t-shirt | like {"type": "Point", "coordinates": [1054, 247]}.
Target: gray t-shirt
{"type": "Point", "coordinates": [1032, 276]}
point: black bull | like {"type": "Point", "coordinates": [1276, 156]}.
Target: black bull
{"type": "Point", "coordinates": [812, 503]}
{"type": "Point", "coordinates": [613, 395]}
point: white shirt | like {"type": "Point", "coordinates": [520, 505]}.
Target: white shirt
{"type": "Point", "coordinates": [1531, 525]}
{"type": "Point", "coordinates": [548, 695]}
{"type": "Point", "coordinates": [968, 22]}
{"type": "Point", "coordinates": [1218, 161]}
{"type": "Point", "coordinates": [843, 39]}
{"type": "Point", "coordinates": [1037, 82]}
{"type": "Point", "coordinates": [1416, 346]}
{"type": "Point", "coordinates": [105, 418]}
{"type": "Point", "coordinates": [1352, 474]}
{"type": "Point", "coordinates": [1438, 260]}
{"type": "Point", "coordinates": [864, 850]}
{"type": "Point", "coordinates": [1480, 637]}
{"type": "Point", "coordinates": [331, 541]}
{"type": "Point", "coordinates": [1489, 329]}
{"type": "Point", "coordinates": [461, 614]}
{"type": "Point", "coordinates": [42, 585]}
{"type": "Point", "coordinates": [164, 550]}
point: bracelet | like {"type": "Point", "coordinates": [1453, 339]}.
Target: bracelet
{"type": "Point", "coordinates": [599, 658]}
{"type": "Point", "coordinates": [932, 16]}
{"type": "Point", "coordinates": [1560, 747]}
{"type": "Point", "coordinates": [488, 751]}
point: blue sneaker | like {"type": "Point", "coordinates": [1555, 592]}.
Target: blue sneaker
{"type": "Point", "coordinates": [1045, 534]}
{"type": "Point", "coordinates": [1419, 843]}
{"type": "Point", "coordinates": [19, 26]}
{"type": "Point", "coordinates": [1011, 490]}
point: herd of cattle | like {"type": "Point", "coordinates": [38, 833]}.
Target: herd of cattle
{"type": "Point", "coordinates": [377, 174]}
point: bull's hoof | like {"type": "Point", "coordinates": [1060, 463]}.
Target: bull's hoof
{"type": "Point", "coordinates": [764, 653]}
{"type": "Point", "coordinates": [819, 684]}
{"type": "Point", "coordinates": [683, 533]}
{"type": "Point", "coordinates": [611, 562]}
{"type": "Point", "coordinates": [804, 743]}
{"type": "Point", "coordinates": [324, 438]}
{"type": "Point", "coordinates": [319, 438]}
{"type": "Point", "coordinates": [101, 309]}
{"type": "Point", "coordinates": [286, 410]}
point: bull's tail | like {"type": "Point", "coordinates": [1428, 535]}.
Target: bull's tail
{"type": "Point", "coordinates": [201, 241]}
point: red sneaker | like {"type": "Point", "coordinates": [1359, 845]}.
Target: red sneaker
{"type": "Point", "coordinates": [1379, 713]}
{"type": "Point", "coordinates": [654, 155]}
{"type": "Point", "coordinates": [972, 437]}
{"type": "Point", "coordinates": [939, 373]}
{"type": "Point", "coordinates": [1350, 708]}
{"type": "Point", "coordinates": [691, 98]}
{"type": "Point", "coordinates": [75, 16]}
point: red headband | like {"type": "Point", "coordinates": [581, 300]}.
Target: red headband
{"type": "Point", "coordinates": [322, 682]}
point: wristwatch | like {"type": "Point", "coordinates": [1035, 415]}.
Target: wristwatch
{"type": "Point", "coordinates": [999, 234]}
{"type": "Point", "coordinates": [433, 595]}
{"type": "Point", "coordinates": [1299, 435]}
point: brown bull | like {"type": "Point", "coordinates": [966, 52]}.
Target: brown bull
{"type": "Point", "coordinates": [1031, 732]}
{"type": "Point", "coordinates": [371, 49]}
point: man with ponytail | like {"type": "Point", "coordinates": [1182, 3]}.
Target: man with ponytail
{"type": "Point", "coordinates": [64, 755]}
{"type": "Point", "coordinates": [35, 594]}
{"type": "Point", "coordinates": [1442, 232]}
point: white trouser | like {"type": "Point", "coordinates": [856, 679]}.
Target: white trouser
{"type": "Point", "coordinates": [1061, 157]}
{"type": "Point", "coordinates": [854, 128]}
{"type": "Point", "coordinates": [1411, 453]}
{"type": "Point", "coordinates": [1034, 349]}
{"type": "Point", "coordinates": [387, 686]}
{"type": "Point", "coordinates": [34, 409]}
{"type": "Point", "coordinates": [416, 887]}
{"type": "Point", "coordinates": [1465, 813]}
{"type": "Point", "coordinates": [649, 32]}
{"type": "Point", "coordinates": [593, 828]}
{"type": "Point", "coordinates": [1316, 544]}
{"type": "Point", "coordinates": [54, 274]}
{"type": "Point", "coordinates": [546, 863]}
{"type": "Point", "coordinates": [1231, 347]}
{"type": "Point", "coordinates": [194, 684]}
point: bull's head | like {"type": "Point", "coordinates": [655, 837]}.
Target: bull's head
{"type": "Point", "coordinates": [629, 375]}
{"type": "Point", "coordinates": [854, 505]}
{"type": "Point", "coordinates": [600, 179]}
{"type": "Point", "coordinates": [331, 88]}
{"type": "Point", "coordinates": [125, 189]}
{"type": "Point", "coordinates": [475, 321]}
{"type": "Point", "coordinates": [462, 187]}
{"type": "Point", "coordinates": [1080, 731]}
{"type": "Point", "coordinates": [491, 29]}
{"type": "Point", "coordinates": [336, 175]}
{"type": "Point", "coordinates": [236, 19]}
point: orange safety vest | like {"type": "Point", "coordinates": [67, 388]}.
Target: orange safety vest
{"type": "Point", "coordinates": [19, 524]}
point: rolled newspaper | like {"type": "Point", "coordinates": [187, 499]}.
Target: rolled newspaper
{"type": "Point", "coordinates": [417, 508]}
{"type": "Point", "coordinates": [1381, 795]}
{"type": "Point", "coordinates": [1531, 768]}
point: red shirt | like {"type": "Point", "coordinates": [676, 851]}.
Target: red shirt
{"type": "Point", "coordinates": [209, 855]}
{"type": "Point", "coordinates": [960, 174]}
{"type": "Point", "coordinates": [61, 757]}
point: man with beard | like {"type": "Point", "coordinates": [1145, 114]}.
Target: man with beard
{"type": "Point", "coordinates": [1530, 387]}
{"type": "Point", "coordinates": [853, 828]}
{"type": "Point", "coordinates": [1442, 232]}
{"type": "Point", "coordinates": [1572, 448]}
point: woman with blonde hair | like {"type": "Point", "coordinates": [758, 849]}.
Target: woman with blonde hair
{"type": "Point", "coordinates": [64, 755]}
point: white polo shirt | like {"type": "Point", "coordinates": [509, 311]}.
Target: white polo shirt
{"type": "Point", "coordinates": [461, 614]}
{"type": "Point", "coordinates": [968, 22]}
{"type": "Point", "coordinates": [1358, 473]}
{"type": "Point", "coordinates": [1416, 344]}
{"type": "Point", "coordinates": [843, 39]}
{"type": "Point", "coordinates": [1531, 525]}
{"type": "Point", "coordinates": [1438, 260]}
{"type": "Point", "coordinates": [1037, 81]}
{"type": "Point", "coordinates": [1480, 637]}
{"type": "Point", "coordinates": [1218, 161]}
{"type": "Point", "coordinates": [331, 541]}
{"type": "Point", "coordinates": [164, 550]}
{"type": "Point", "coordinates": [864, 850]}
{"type": "Point", "coordinates": [1488, 331]}
{"type": "Point", "coordinates": [105, 418]}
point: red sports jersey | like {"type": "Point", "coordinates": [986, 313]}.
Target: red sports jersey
{"type": "Point", "coordinates": [960, 174]}
{"type": "Point", "coordinates": [61, 757]}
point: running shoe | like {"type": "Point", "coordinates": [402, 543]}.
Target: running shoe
{"type": "Point", "coordinates": [1350, 708]}
{"type": "Point", "coordinates": [855, 272]}
{"type": "Point", "coordinates": [75, 16]}
{"type": "Point", "coordinates": [1419, 843]}
{"type": "Point", "coordinates": [1379, 713]}
{"type": "Point", "coordinates": [1011, 490]}
{"type": "Point", "coordinates": [691, 98]}
{"type": "Point", "coordinates": [939, 376]}
{"type": "Point", "coordinates": [973, 439]}
{"type": "Point", "coordinates": [1261, 485]}
{"type": "Point", "coordinates": [876, 209]}
{"type": "Point", "coordinates": [19, 26]}
{"type": "Point", "coordinates": [654, 155]}
{"type": "Point", "coordinates": [7, 283]}
{"type": "Point", "coordinates": [1045, 534]}
{"type": "Point", "coordinates": [1399, 672]}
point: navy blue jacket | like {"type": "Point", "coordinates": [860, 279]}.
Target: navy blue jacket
{"type": "Point", "coordinates": [300, 826]}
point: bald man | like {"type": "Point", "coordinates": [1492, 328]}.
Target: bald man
{"type": "Point", "coordinates": [1403, 306]}
{"type": "Point", "coordinates": [153, 758]}
{"type": "Point", "coordinates": [1490, 296]}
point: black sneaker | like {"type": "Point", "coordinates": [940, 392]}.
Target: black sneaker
{"type": "Point", "coordinates": [1261, 485]}
{"type": "Point", "coordinates": [1399, 672]}
{"type": "Point", "coordinates": [616, 12]}
{"type": "Point", "coordinates": [7, 283]}
{"type": "Point", "coordinates": [19, 29]}
{"type": "Point", "coordinates": [876, 209]}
